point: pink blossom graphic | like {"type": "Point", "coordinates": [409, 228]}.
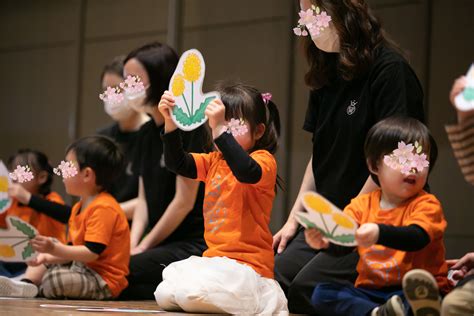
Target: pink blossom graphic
{"type": "Point", "coordinates": [237, 127]}
{"type": "Point", "coordinates": [323, 19]}
{"type": "Point", "coordinates": [132, 85]}
{"type": "Point", "coordinates": [111, 95]}
{"type": "Point", "coordinates": [407, 158]}
{"type": "Point", "coordinates": [66, 169]}
{"type": "Point", "coordinates": [22, 174]}
{"type": "Point", "coordinates": [313, 21]}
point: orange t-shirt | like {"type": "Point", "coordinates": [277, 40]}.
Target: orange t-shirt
{"type": "Point", "coordinates": [380, 266]}
{"type": "Point", "coordinates": [45, 225]}
{"type": "Point", "coordinates": [103, 221]}
{"type": "Point", "coordinates": [237, 215]}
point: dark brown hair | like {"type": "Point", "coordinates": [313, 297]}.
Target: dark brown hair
{"type": "Point", "coordinates": [246, 102]}
{"type": "Point", "coordinates": [159, 61]}
{"type": "Point", "coordinates": [384, 136]}
{"type": "Point", "coordinates": [360, 34]}
{"type": "Point", "coordinates": [37, 161]}
{"type": "Point", "coordinates": [115, 66]}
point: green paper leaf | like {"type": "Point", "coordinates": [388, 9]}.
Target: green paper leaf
{"type": "Point", "coordinates": [25, 229]}
{"type": "Point", "coordinates": [469, 94]}
{"type": "Point", "coordinates": [308, 223]}
{"type": "Point", "coordinates": [182, 117]}
{"type": "Point", "coordinates": [3, 203]}
{"type": "Point", "coordinates": [345, 239]}
{"type": "Point", "coordinates": [199, 115]}
{"type": "Point", "coordinates": [27, 252]}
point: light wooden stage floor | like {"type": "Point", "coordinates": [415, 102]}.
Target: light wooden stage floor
{"type": "Point", "coordinates": [27, 307]}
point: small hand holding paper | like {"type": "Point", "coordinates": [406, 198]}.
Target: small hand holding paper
{"type": "Point", "coordinates": [315, 239]}
{"type": "Point", "coordinates": [166, 105]}
{"type": "Point", "coordinates": [215, 112]}
{"type": "Point", "coordinates": [42, 258]}
{"type": "Point", "coordinates": [367, 235]}
{"type": "Point", "coordinates": [43, 244]}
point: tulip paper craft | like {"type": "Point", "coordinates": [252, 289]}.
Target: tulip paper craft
{"type": "Point", "coordinates": [5, 182]}
{"type": "Point", "coordinates": [186, 87]}
{"type": "Point", "coordinates": [333, 224]}
{"type": "Point", "coordinates": [465, 100]}
{"type": "Point", "coordinates": [14, 241]}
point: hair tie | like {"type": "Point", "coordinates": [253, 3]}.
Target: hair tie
{"type": "Point", "coordinates": [266, 97]}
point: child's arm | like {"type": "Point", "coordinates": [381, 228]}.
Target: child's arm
{"type": "Point", "coordinates": [244, 167]}
{"type": "Point", "coordinates": [52, 209]}
{"type": "Point", "coordinates": [176, 159]}
{"type": "Point", "coordinates": [46, 258]}
{"type": "Point", "coordinates": [81, 253]}
{"type": "Point", "coordinates": [404, 238]}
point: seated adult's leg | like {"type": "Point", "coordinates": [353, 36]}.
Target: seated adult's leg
{"type": "Point", "coordinates": [461, 300]}
{"type": "Point", "coordinates": [321, 268]}
{"type": "Point", "coordinates": [146, 268]}
{"type": "Point", "coordinates": [290, 262]}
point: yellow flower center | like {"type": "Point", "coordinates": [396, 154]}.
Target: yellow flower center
{"type": "Point", "coordinates": [315, 203]}
{"type": "Point", "coordinates": [177, 87]}
{"type": "Point", "coordinates": [3, 184]}
{"type": "Point", "coordinates": [342, 220]}
{"type": "Point", "coordinates": [192, 67]}
{"type": "Point", "coordinates": [6, 251]}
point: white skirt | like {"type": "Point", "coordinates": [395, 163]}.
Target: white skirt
{"type": "Point", "coordinates": [218, 285]}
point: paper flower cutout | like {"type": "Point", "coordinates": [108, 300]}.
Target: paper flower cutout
{"type": "Point", "coordinates": [313, 21]}
{"type": "Point", "coordinates": [111, 95]}
{"type": "Point", "coordinates": [237, 127]}
{"type": "Point", "coordinates": [66, 169]}
{"type": "Point", "coordinates": [132, 85]}
{"type": "Point", "coordinates": [22, 174]}
{"type": "Point", "coordinates": [407, 158]}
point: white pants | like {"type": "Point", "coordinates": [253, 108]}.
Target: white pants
{"type": "Point", "coordinates": [219, 285]}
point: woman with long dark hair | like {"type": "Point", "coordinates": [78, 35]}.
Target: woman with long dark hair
{"type": "Point", "coordinates": [357, 77]}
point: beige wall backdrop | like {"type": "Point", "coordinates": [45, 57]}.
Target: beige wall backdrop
{"type": "Point", "coordinates": [52, 53]}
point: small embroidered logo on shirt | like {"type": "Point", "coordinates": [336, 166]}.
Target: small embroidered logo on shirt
{"type": "Point", "coordinates": [351, 108]}
{"type": "Point", "coordinates": [162, 161]}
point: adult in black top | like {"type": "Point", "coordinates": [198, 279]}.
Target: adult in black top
{"type": "Point", "coordinates": [357, 78]}
{"type": "Point", "coordinates": [124, 132]}
{"type": "Point", "coordinates": [169, 207]}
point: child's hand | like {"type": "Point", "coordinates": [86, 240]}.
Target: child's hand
{"type": "Point", "coordinates": [42, 258]}
{"type": "Point", "coordinates": [215, 112]}
{"type": "Point", "coordinates": [43, 244]}
{"type": "Point", "coordinates": [465, 264]}
{"type": "Point", "coordinates": [17, 191]}
{"type": "Point", "coordinates": [166, 107]}
{"type": "Point", "coordinates": [367, 235]}
{"type": "Point", "coordinates": [315, 239]}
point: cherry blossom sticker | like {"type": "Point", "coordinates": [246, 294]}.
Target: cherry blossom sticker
{"type": "Point", "coordinates": [133, 87]}
{"type": "Point", "coordinates": [112, 96]}
{"type": "Point", "coordinates": [236, 127]}
{"type": "Point", "coordinates": [22, 174]}
{"type": "Point", "coordinates": [66, 169]}
{"type": "Point", "coordinates": [313, 21]}
{"type": "Point", "coordinates": [407, 158]}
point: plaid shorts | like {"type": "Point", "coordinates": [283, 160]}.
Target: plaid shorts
{"type": "Point", "coordinates": [73, 280]}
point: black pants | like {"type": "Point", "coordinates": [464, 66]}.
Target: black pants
{"type": "Point", "coordinates": [299, 268]}
{"type": "Point", "coordinates": [146, 268]}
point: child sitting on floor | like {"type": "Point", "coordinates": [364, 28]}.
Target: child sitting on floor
{"type": "Point", "coordinates": [401, 225]}
{"type": "Point", "coordinates": [94, 264]}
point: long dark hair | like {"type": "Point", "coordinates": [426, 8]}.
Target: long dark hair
{"type": "Point", "coordinates": [159, 61]}
{"type": "Point", "coordinates": [38, 162]}
{"type": "Point", "coordinates": [360, 34]}
{"type": "Point", "coordinates": [246, 102]}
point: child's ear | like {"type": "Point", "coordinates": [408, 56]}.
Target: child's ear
{"type": "Point", "coordinates": [259, 131]}
{"type": "Point", "coordinates": [42, 177]}
{"type": "Point", "coordinates": [89, 175]}
{"type": "Point", "coordinates": [372, 169]}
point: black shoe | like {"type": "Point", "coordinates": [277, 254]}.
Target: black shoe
{"type": "Point", "coordinates": [421, 291]}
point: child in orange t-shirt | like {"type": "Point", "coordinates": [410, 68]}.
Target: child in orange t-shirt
{"type": "Point", "coordinates": [94, 264]}
{"type": "Point", "coordinates": [235, 274]}
{"type": "Point", "coordinates": [401, 226]}
{"type": "Point", "coordinates": [21, 193]}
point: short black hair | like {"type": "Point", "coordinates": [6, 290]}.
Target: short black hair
{"type": "Point", "coordinates": [384, 136]}
{"type": "Point", "coordinates": [37, 161]}
{"type": "Point", "coordinates": [102, 155]}
{"type": "Point", "coordinates": [159, 61]}
{"type": "Point", "coordinates": [115, 66]}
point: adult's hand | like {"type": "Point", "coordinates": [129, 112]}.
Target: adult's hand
{"type": "Point", "coordinates": [286, 233]}
{"type": "Point", "coordinates": [456, 89]}
{"type": "Point", "coordinates": [466, 264]}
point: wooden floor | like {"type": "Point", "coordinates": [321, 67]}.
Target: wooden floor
{"type": "Point", "coordinates": [27, 307]}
